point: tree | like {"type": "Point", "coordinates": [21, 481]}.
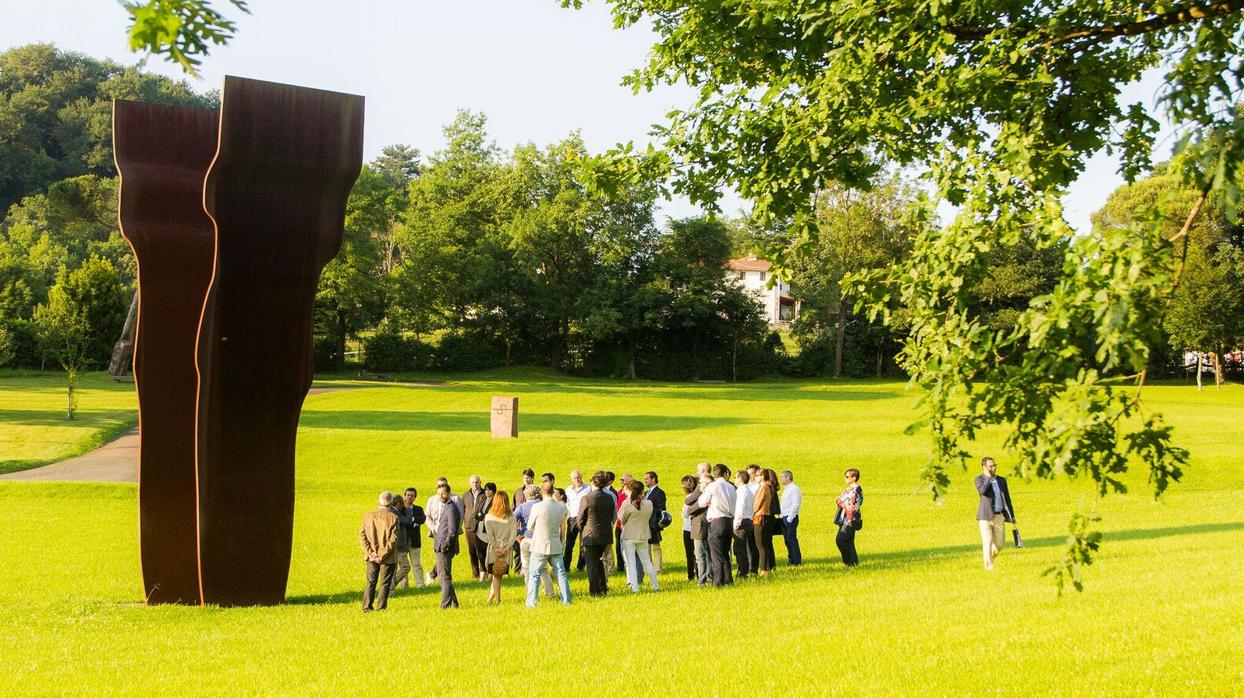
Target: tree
{"type": "Point", "coordinates": [1001, 104]}
{"type": "Point", "coordinates": [102, 297]}
{"type": "Point", "coordinates": [56, 115]}
{"type": "Point", "coordinates": [352, 294]}
{"type": "Point", "coordinates": [65, 334]}
{"type": "Point", "coordinates": [856, 231]}
{"type": "Point", "coordinates": [7, 350]}
{"type": "Point", "coordinates": [1207, 310]}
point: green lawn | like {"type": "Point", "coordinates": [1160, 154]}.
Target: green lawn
{"type": "Point", "coordinates": [33, 427]}
{"type": "Point", "coordinates": [1163, 611]}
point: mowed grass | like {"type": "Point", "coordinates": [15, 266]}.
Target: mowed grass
{"type": "Point", "coordinates": [33, 426]}
{"type": "Point", "coordinates": [1163, 611]}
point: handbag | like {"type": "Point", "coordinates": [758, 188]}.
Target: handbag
{"type": "Point", "coordinates": [1019, 542]}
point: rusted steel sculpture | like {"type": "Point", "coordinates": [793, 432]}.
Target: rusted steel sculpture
{"type": "Point", "coordinates": [286, 160]}
{"type": "Point", "coordinates": [162, 155]}
{"type": "Point", "coordinates": [229, 259]}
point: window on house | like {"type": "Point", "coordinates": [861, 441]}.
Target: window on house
{"type": "Point", "coordinates": [762, 276]}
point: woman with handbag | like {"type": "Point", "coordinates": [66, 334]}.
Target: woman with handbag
{"type": "Point", "coordinates": [848, 518]}
{"type": "Point", "coordinates": [763, 521]}
{"type": "Point", "coordinates": [500, 530]}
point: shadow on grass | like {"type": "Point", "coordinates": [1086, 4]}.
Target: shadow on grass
{"type": "Point", "coordinates": [479, 421]}
{"type": "Point", "coordinates": [917, 554]}
{"type": "Point", "coordinates": [57, 418]}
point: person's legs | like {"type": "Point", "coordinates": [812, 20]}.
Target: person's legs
{"type": "Point", "coordinates": [654, 552]}
{"type": "Point", "coordinates": [572, 534]}
{"type": "Point", "coordinates": [444, 573]}
{"type": "Point", "coordinates": [719, 550]}
{"type": "Point", "coordinates": [558, 562]}
{"type": "Point", "coordinates": [628, 554]}
{"type": "Point", "coordinates": [481, 546]}
{"type": "Point", "coordinates": [386, 586]}
{"type": "Point", "coordinates": [740, 553]}
{"type": "Point", "coordinates": [400, 577]}
{"type": "Point", "coordinates": [644, 565]}
{"type": "Point", "coordinates": [986, 528]}
{"type": "Point", "coordinates": [688, 549]}
{"type": "Point", "coordinates": [999, 533]}
{"type": "Point", "coordinates": [762, 562]}
{"type": "Point", "coordinates": [369, 588]}
{"type": "Point", "coordinates": [607, 559]}
{"type": "Point", "coordinates": [546, 578]}
{"type": "Point", "coordinates": [534, 562]}
{"type": "Point", "coordinates": [595, 569]}
{"type": "Point", "coordinates": [791, 535]}
{"type": "Point", "coordinates": [494, 595]}
{"type": "Point", "coordinates": [416, 567]}
{"type": "Point", "coordinates": [617, 546]}
{"type": "Point", "coordinates": [846, 545]}
{"type": "Point", "coordinates": [753, 550]}
{"type": "Point", "coordinates": [703, 567]}
{"type": "Point", "coordinates": [767, 539]}
{"type": "Point", "coordinates": [472, 544]}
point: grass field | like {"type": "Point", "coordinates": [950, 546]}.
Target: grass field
{"type": "Point", "coordinates": [1163, 611]}
{"type": "Point", "coordinates": [33, 428]}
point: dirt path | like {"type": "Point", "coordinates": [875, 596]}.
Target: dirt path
{"type": "Point", "coordinates": [115, 461]}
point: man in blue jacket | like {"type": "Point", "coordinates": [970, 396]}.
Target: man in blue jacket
{"type": "Point", "coordinates": [995, 509]}
{"type": "Point", "coordinates": [445, 545]}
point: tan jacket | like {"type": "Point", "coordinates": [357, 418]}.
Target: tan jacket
{"type": "Point", "coordinates": [635, 521]}
{"type": "Point", "coordinates": [499, 534]}
{"type": "Point", "coordinates": [764, 501]}
{"type": "Point", "coordinates": [378, 535]}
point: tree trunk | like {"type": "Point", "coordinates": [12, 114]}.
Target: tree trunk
{"type": "Point", "coordinates": [840, 338]}
{"type": "Point", "coordinates": [1199, 387]}
{"type": "Point", "coordinates": [339, 361]}
{"type": "Point", "coordinates": [880, 359]}
{"type": "Point", "coordinates": [123, 351]}
{"type": "Point", "coordinates": [1216, 358]}
{"type": "Point", "coordinates": [734, 359]}
{"type": "Point", "coordinates": [509, 347]}
{"type": "Point", "coordinates": [72, 380]}
{"type": "Point", "coordinates": [631, 351]}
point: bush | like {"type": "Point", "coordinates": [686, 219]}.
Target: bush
{"type": "Point", "coordinates": [467, 352]}
{"type": "Point", "coordinates": [324, 349]}
{"type": "Point", "coordinates": [388, 352]}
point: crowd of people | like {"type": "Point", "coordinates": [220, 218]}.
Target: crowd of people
{"type": "Point", "coordinates": [729, 522]}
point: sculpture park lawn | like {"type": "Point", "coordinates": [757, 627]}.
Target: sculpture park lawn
{"type": "Point", "coordinates": [1162, 612]}
{"type": "Point", "coordinates": [33, 428]}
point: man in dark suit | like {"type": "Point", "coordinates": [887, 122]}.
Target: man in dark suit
{"type": "Point", "coordinates": [476, 501]}
{"type": "Point", "coordinates": [656, 495]}
{"type": "Point", "coordinates": [596, 515]}
{"type": "Point", "coordinates": [445, 545]}
{"type": "Point", "coordinates": [994, 511]}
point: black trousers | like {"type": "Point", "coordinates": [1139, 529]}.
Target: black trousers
{"type": "Point", "coordinates": [473, 550]}
{"type": "Point", "coordinates": [572, 534]}
{"type": "Point", "coordinates": [688, 547]}
{"type": "Point", "coordinates": [846, 545]}
{"type": "Point", "coordinates": [445, 574]}
{"type": "Point", "coordinates": [378, 571]}
{"type": "Point", "coordinates": [719, 535]}
{"type": "Point", "coordinates": [745, 549]}
{"type": "Point", "coordinates": [617, 550]}
{"type": "Point", "coordinates": [597, 582]}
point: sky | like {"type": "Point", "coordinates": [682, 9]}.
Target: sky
{"type": "Point", "coordinates": [536, 70]}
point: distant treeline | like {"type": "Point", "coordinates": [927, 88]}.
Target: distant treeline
{"type": "Point", "coordinates": [471, 257]}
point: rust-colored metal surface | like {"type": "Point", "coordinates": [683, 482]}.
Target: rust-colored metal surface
{"type": "Point", "coordinates": [286, 160]}
{"type": "Point", "coordinates": [162, 154]}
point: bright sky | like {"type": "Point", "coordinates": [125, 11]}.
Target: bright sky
{"type": "Point", "coordinates": [538, 71]}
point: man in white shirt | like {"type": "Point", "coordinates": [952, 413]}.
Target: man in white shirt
{"type": "Point", "coordinates": [719, 499]}
{"type": "Point", "coordinates": [792, 500]}
{"type": "Point", "coordinates": [547, 525]}
{"type": "Point", "coordinates": [745, 553]}
{"type": "Point", "coordinates": [574, 497]}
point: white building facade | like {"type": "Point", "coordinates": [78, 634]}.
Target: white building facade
{"type": "Point", "coordinates": [754, 275]}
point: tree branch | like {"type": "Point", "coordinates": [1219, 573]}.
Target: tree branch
{"type": "Point", "coordinates": [1182, 15]}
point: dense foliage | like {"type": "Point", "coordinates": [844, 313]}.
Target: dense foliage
{"type": "Point", "coordinates": [1000, 103]}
